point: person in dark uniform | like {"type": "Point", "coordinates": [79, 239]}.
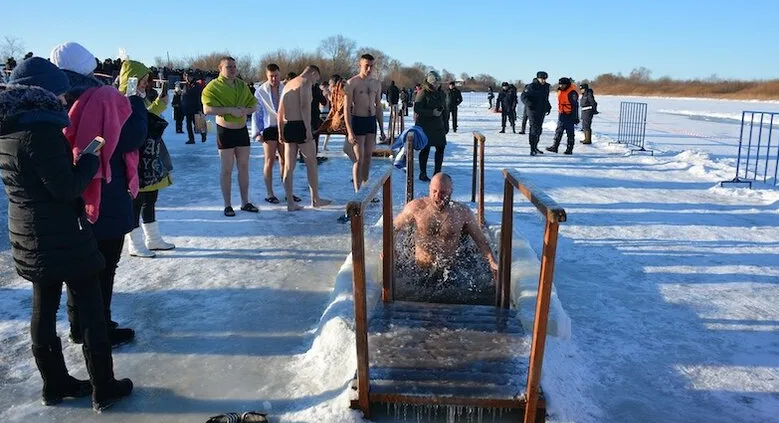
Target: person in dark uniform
{"type": "Point", "coordinates": [535, 97]}
{"type": "Point", "coordinates": [429, 108]}
{"type": "Point", "coordinates": [178, 113]}
{"type": "Point", "coordinates": [490, 96]}
{"type": "Point", "coordinates": [453, 99]}
{"type": "Point", "coordinates": [504, 105]}
{"type": "Point", "coordinates": [567, 114]}
{"type": "Point", "coordinates": [589, 109]}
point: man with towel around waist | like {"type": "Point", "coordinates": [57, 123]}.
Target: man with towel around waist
{"type": "Point", "coordinates": [230, 100]}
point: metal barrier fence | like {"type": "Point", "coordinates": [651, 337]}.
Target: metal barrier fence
{"type": "Point", "coordinates": [632, 125]}
{"type": "Point", "coordinates": [757, 158]}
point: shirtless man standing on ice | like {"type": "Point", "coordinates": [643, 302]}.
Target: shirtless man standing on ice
{"type": "Point", "coordinates": [294, 122]}
{"type": "Point", "coordinates": [363, 111]}
{"type": "Point", "coordinates": [439, 224]}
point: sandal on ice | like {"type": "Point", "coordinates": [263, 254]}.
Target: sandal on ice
{"type": "Point", "coordinates": [272, 199]}
{"type": "Point", "coordinates": [226, 418]}
{"type": "Point", "coordinates": [253, 417]}
{"type": "Point", "coordinates": [295, 198]}
{"type": "Point", "coordinates": [229, 212]}
{"type": "Point", "coordinates": [249, 207]}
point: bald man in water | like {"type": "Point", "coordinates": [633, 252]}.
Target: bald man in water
{"type": "Point", "coordinates": [439, 224]}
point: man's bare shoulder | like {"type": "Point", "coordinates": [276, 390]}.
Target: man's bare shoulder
{"type": "Point", "coordinates": [418, 204]}
{"type": "Point", "coordinates": [375, 84]}
{"type": "Point", "coordinates": [461, 209]}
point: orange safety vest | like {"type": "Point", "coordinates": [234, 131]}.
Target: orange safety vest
{"type": "Point", "coordinates": [564, 105]}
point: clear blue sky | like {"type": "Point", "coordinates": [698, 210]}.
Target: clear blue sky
{"type": "Point", "coordinates": [509, 39]}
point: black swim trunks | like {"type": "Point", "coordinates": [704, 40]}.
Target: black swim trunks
{"type": "Point", "coordinates": [231, 138]}
{"type": "Point", "coordinates": [364, 125]}
{"type": "Point", "coordinates": [270, 133]}
{"type": "Point", "coordinates": [295, 131]}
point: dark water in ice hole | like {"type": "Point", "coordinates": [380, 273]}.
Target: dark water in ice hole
{"type": "Point", "coordinates": [467, 281]}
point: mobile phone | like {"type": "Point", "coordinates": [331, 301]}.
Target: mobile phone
{"type": "Point", "coordinates": [132, 86]}
{"type": "Point", "coordinates": [94, 146]}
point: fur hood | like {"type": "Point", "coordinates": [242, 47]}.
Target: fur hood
{"type": "Point", "coordinates": [24, 105]}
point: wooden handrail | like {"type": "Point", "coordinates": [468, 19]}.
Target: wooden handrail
{"type": "Point", "coordinates": [367, 192]}
{"type": "Point", "coordinates": [354, 209]}
{"type": "Point", "coordinates": [545, 204]}
{"type": "Point", "coordinates": [554, 214]}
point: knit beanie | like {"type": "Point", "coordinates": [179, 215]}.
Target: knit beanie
{"type": "Point", "coordinates": [433, 77]}
{"type": "Point", "coordinates": [40, 72]}
{"type": "Point", "coordinates": [73, 57]}
{"type": "Point", "coordinates": [131, 69]}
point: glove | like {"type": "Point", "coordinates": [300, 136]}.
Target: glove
{"type": "Point", "coordinates": [437, 112]}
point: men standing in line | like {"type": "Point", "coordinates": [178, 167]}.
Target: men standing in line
{"type": "Point", "coordinates": [589, 109]}
{"type": "Point", "coordinates": [567, 114]}
{"type": "Point", "coordinates": [453, 100]}
{"type": "Point", "coordinates": [536, 99]}
{"type": "Point", "coordinates": [229, 99]}
{"type": "Point", "coordinates": [294, 122]}
{"type": "Point", "coordinates": [362, 98]}
{"type": "Point", "coordinates": [265, 129]}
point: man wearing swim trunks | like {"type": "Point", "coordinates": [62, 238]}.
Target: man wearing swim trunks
{"type": "Point", "coordinates": [439, 223]}
{"type": "Point", "coordinates": [229, 99]}
{"type": "Point", "coordinates": [362, 103]}
{"type": "Point", "coordinates": [294, 122]}
{"type": "Point", "coordinates": [264, 126]}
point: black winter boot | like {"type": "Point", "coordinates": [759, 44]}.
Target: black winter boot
{"type": "Point", "coordinates": [553, 148]}
{"type": "Point", "coordinates": [106, 391]}
{"type": "Point", "coordinates": [57, 383]}
{"type": "Point", "coordinates": [569, 149]}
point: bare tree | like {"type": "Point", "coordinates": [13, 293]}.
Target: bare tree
{"type": "Point", "coordinates": [447, 76]}
{"type": "Point", "coordinates": [341, 52]}
{"type": "Point", "coordinates": [11, 47]}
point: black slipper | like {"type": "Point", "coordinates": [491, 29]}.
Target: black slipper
{"type": "Point", "coordinates": [375, 200]}
{"type": "Point", "coordinates": [249, 207]}
{"type": "Point", "coordinates": [295, 198]}
{"type": "Point", "coordinates": [225, 418]}
{"type": "Point", "coordinates": [253, 417]}
{"type": "Point", "coordinates": [344, 218]}
{"type": "Point", "coordinates": [272, 200]}
{"type": "Point", "coordinates": [229, 212]}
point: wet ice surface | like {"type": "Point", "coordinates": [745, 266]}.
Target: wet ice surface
{"type": "Point", "coordinates": [446, 414]}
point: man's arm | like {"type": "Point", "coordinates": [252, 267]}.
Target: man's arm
{"type": "Point", "coordinates": [406, 217]}
{"type": "Point", "coordinates": [348, 93]}
{"type": "Point", "coordinates": [258, 121]}
{"type": "Point", "coordinates": [221, 111]}
{"type": "Point", "coordinates": [306, 97]}
{"type": "Point", "coordinates": [473, 229]}
{"type": "Point", "coordinates": [281, 114]}
{"type": "Point", "coordinates": [379, 109]}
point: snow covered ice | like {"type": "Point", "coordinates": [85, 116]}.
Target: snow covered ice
{"type": "Point", "coordinates": [671, 284]}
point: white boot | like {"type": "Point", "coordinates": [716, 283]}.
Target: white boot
{"type": "Point", "coordinates": [154, 240]}
{"type": "Point", "coordinates": [137, 248]}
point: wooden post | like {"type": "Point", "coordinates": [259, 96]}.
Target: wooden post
{"type": "Point", "coordinates": [360, 306]}
{"type": "Point", "coordinates": [473, 171]}
{"type": "Point", "coordinates": [388, 245]}
{"type": "Point", "coordinates": [503, 287]}
{"type": "Point", "coordinates": [541, 320]}
{"type": "Point", "coordinates": [481, 181]}
{"type": "Point", "coordinates": [409, 167]}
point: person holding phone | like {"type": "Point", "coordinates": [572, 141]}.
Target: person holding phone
{"type": "Point", "coordinates": [51, 239]}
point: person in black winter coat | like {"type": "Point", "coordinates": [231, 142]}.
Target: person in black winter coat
{"type": "Point", "coordinates": [178, 112]}
{"type": "Point", "coordinates": [51, 240]}
{"type": "Point", "coordinates": [453, 99]}
{"type": "Point", "coordinates": [535, 97]}
{"type": "Point", "coordinates": [191, 104]}
{"type": "Point", "coordinates": [429, 109]}
{"type": "Point", "coordinates": [506, 105]}
{"type": "Point", "coordinates": [589, 109]}
{"type": "Point", "coordinates": [393, 94]}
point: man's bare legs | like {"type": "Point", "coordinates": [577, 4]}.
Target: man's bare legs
{"type": "Point", "coordinates": [290, 158]}
{"type": "Point", "coordinates": [226, 158]}
{"type": "Point", "coordinates": [242, 162]}
{"type": "Point", "coordinates": [270, 148]}
{"type": "Point", "coordinates": [308, 149]}
{"type": "Point", "coordinates": [370, 146]}
{"type": "Point", "coordinates": [359, 159]}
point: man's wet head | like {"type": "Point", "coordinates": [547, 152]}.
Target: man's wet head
{"type": "Point", "coordinates": [272, 74]}
{"type": "Point", "coordinates": [366, 65]}
{"type": "Point", "coordinates": [227, 68]}
{"type": "Point", "coordinates": [441, 190]}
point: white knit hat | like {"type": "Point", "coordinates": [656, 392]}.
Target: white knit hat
{"type": "Point", "coordinates": [73, 57]}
